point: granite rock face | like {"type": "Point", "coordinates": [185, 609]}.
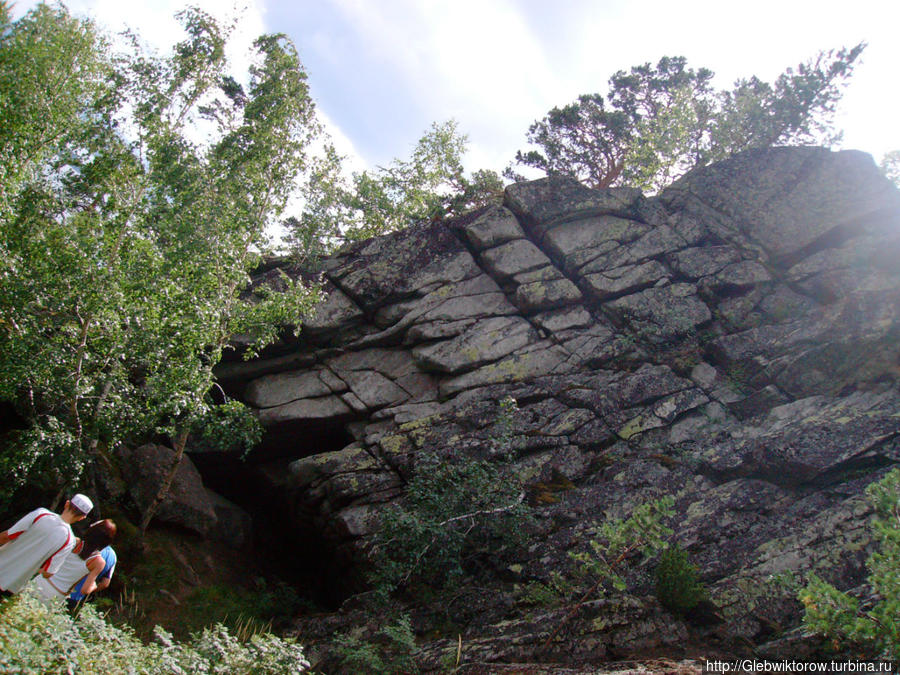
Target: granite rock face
{"type": "Point", "coordinates": [733, 342]}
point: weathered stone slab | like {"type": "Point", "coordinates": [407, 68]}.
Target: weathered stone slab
{"type": "Point", "coordinates": [650, 382]}
{"type": "Point", "coordinates": [273, 390]}
{"type": "Point", "coordinates": [739, 275]}
{"type": "Point", "coordinates": [335, 312]}
{"type": "Point", "coordinates": [496, 226]}
{"type": "Point", "coordinates": [308, 409]}
{"type": "Point", "coordinates": [399, 265]}
{"type": "Point", "coordinates": [625, 280]}
{"type": "Point", "coordinates": [563, 319]}
{"type": "Point", "coordinates": [393, 363]}
{"type": "Point", "coordinates": [548, 201]}
{"type": "Point", "coordinates": [187, 502]}
{"type": "Point", "coordinates": [542, 295]}
{"type": "Point", "coordinates": [783, 305]}
{"type": "Point", "coordinates": [514, 257]}
{"type": "Point", "coordinates": [247, 370]}
{"type": "Point", "coordinates": [862, 263]}
{"type": "Point", "coordinates": [474, 298]}
{"type": "Point", "coordinates": [653, 244]}
{"type": "Point", "coordinates": [436, 330]}
{"type": "Point", "coordinates": [811, 438]}
{"type": "Point", "coordinates": [540, 274]}
{"type": "Point", "coordinates": [662, 314]}
{"type": "Point", "coordinates": [701, 261]}
{"type": "Point", "coordinates": [579, 242]}
{"type": "Point", "coordinates": [375, 390]}
{"type": "Point", "coordinates": [836, 346]}
{"type": "Point", "coordinates": [485, 341]}
{"type": "Point", "coordinates": [352, 459]}
{"type": "Point", "coordinates": [790, 199]}
{"type": "Point", "coordinates": [539, 360]}
{"type": "Point", "coordinates": [758, 403]}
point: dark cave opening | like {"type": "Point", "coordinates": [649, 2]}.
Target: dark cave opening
{"type": "Point", "coordinates": [289, 542]}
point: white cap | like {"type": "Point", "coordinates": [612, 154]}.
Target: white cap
{"type": "Point", "coordinates": [82, 503]}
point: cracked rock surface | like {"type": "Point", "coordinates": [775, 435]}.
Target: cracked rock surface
{"type": "Point", "coordinates": [733, 342]}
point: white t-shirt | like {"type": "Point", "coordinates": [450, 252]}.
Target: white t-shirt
{"type": "Point", "coordinates": [40, 541]}
{"type": "Point", "coordinates": [72, 570]}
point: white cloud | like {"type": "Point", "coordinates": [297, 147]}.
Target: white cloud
{"type": "Point", "coordinates": [391, 67]}
{"type": "Point", "coordinates": [479, 63]}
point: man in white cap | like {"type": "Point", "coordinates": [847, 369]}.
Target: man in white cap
{"type": "Point", "coordinates": [38, 542]}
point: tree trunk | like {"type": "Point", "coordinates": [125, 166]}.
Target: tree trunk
{"type": "Point", "coordinates": [180, 442]}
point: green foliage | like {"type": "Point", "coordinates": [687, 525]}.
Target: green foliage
{"type": "Point", "coordinates": [614, 541]}
{"type": "Point", "coordinates": [613, 544]}
{"type": "Point", "coordinates": [657, 122]}
{"type": "Point", "coordinates": [389, 653]}
{"type": "Point", "coordinates": [678, 586]}
{"type": "Point", "coordinates": [430, 184]}
{"type": "Point", "coordinates": [35, 639]}
{"type": "Point", "coordinates": [233, 606]}
{"type": "Point", "coordinates": [45, 78]}
{"type": "Point", "coordinates": [227, 427]}
{"type": "Point", "coordinates": [454, 506]}
{"type": "Point", "coordinates": [797, 109]}
{"type": "Point", "coordinates": [844, 618]}
{"type": "Point", "coordinates": [553, 592]}
{"type": "Point", "coordinates": [31, 458]}
{"type": "Point", "coordinates": [890, 166]}
{"type": "Point", "coordinates": [125, 246]}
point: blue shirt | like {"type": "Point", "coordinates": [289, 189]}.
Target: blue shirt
{"type": "Point", "coordinates": [109, 560]}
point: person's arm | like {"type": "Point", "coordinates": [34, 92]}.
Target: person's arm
{"type": "Point", "coordinates": [108, 571]}
{"type": "Point", "coordinates": [95, 566]}
{"type": "Point", "coordinates": [21, 525]}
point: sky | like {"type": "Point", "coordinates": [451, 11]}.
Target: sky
{"type": "Point", "coordinates": [382, 71]}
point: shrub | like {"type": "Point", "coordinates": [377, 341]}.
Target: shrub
{"type": "Point", "coordinates": [678, 586]}
{"type": "Point", "coordinates": [454, 506]}
{"type": "Point", "coordinates": [389, 653]}
{"type": "Point", "coordinates": [35, 639]}
{"type": "Point", "coordinates": [842, 617]}
{"type": "Point", "coordinates": [614, 541]}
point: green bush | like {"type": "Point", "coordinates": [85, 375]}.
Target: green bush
{"type": "Point", "coordinates": [454, 508]}
{"type": "Point", "coordinates": [553, 592]}
{"type": "Point", "coordinates": [678, 586]}
{"type": "Point", "coordinates": [389, 653]}
{"type": "Point", "coordinates": [842, 617]}
{"type": "Point", "coordinates": [38, 640]}
{"type": "Point", "coordinates": [614, 541]}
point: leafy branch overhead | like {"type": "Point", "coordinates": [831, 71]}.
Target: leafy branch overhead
{"type": "Point", "coordinates": [430, 184]}
{"type": "Point", "coordinates": [658, 122]}
{"type": "Point", "coordinates": [127, 244]}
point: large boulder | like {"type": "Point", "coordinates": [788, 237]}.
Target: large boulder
{"type": "Point", "coordinates": [187, 502]}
